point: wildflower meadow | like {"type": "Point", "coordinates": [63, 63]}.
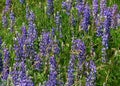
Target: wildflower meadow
{"type": "Point", "coordinates": [59, 42]}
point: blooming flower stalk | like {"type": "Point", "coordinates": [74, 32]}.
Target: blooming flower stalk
{"type": "Point", "coordinates": [6, 63]}
{"type": "Point", "coordinates": [52, 81]}
{"type": "Point", "coordinates": [102, 7]}
{"type": "Point", "coordinates": [91, 77]}
{"type": "Point", "coordinates": [50, 7]}
{"type": "Point", "coordinates": [4, 21]}
{"type": "Point", "coordinates": [86, 19]}
{"type": "Point", "coordinates": [67, 6]}
{"type": "Point", "coordinates": [114, 16]}
{"type": "Point", "coordinates": [71, 71]}
{"type": "Point", "coordinates": [79, 49]}
{"type": "Point", "coordinates": [95, 8]}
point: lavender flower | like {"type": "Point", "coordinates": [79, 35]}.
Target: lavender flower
{"type": "Point", "coordinates": [15, 74]}
{"type": "Point", "coordinates": [95, 7]}
{"type": "Point", "coordinates": [5, 73]}
{"type": "Point", "coordinates": [32, 33]}
{"type": "Point", "coordinates": [12, 17]}
{"type": "Point", "coordinates": [80, 7]}
{"type": "Point", "coordinates": [50, 7]}
{"type": "Point", "coordinates": [78, 47]}
{"type": "Point", "coordinates": [105, 39]}
{"type": "Point", "coordinates": [99, 29]}
{"type": "Point", "coordinates": [86, 19]}
{"type": "Point", "coordinates": [6, 56]}
{"type": "Point", "coordinates": [24, 32]}
{"type": "Point", "coordinates": [114, 16]}
{"type": "Point", "coordinates": [73, 21]}
{"type": "Point", "coordinates": [31, 16]}
{"type": "Point", "coordinates": [58, 19]}
{"type": "Point", "coordinates": [71, 71]}
{"type": "Point", "coordinates": [37, 62]}
{"type": "Point", "coordinates": [4, 21]}
{"type": "Point", "coordinates": [106, 32]}
{"type": "Point", "coordinates": [19, 76]}
{"type": "Point", "coordinates": [45, 44]}
{"type": "Point", "coordinates": [118, 19]}
{"type": "Point", "coordinates": [91, 77]}
{"type": "Point", "coordinates": [67, 6]}
{"type": "Point", "coordinates": [52, 81]}
{"type": "Point", "coordinates": [102, 7]}
{"type": "Point", "coordinates": [1, 62]}
{"type": "Point", "coordinates": [79, 1]}
{"type": "Point", "coordinates": [8, 4]}
{"type": "Point", "coordinates": [6, 63]}
{"type": "Point", "coordinates": [55, 47]}
{"type": "Point", "coordinates": [27, 12]}
{"type": "Point", "coordinates": [0, 42]}
{"type": "Point", "coordinates": [107, 22]}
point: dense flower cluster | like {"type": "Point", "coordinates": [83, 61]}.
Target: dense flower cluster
{"type": "Point", "coordinates": [36, 46]}
{"type": "Point", "coordinates": [19, 76]}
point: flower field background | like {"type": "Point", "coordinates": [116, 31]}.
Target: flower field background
{"type": "Point", "coordinates": [59, 43]}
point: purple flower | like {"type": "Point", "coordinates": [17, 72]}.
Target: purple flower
{"type": "Point", "coordinates": [86, 19]}
{"type": "Point", "coordinates": [71, 70]}
{"type": "Point", "coordinates": [67, 6]}
{"type": "Point", "coordinates": [91, 77]}
{"type": "Point", "coordinates": [58, 20]}
{"type": "Point", "coordinates": [73, 21]}
{"type": "Point", "coordinates": [5, 72]}
{"type": "Point", "coordinates": [37, 62]}
{"type": "Point", "coordinates": [105, 39]}
{"type": "Point", "coordinates": [27, 12]}
{"type": "Point", "coordinates": [102, 7]}
{"type": "Point", "coordinates": [107, 22]}
{"type": "Point", "coordinates": [114, 16]}
{"type": "Point", "coordinates": [8, 4]}
{"type": "Point", "coordinates": [80, 7]}
{"type": "Point", "coordinates": [52, 81]}
{"type": "Point", "coordinates": [6, 56]}
{"type": "Point", "coordinates": [4, 21]}
{"type": "Point", "coordinates": [19, 75]}
{"type": "Point", "coordinates": [0, 42]}
{"type": "Point", "coordinates": [45, 44]}
{"type": "Point", "coordinates": [32, 33]}
{"type": "Point", "coordinates": [31, 16]}
{"type": "Point", "coordinates": [55, 47]}
{"type": "Point", "coordinates": [99, 28]}
{"type": "Point", "coordinates": [95, 7]}
{"type": "Point", "coordinates": [79, 49]}
{"type": "Point", "coordinates": [12, 16]}
{"type": "Point", "coordinates": [24, 32]}
{"type": "Point", "coordinates": [1, 63]}
{"type": "Point", "coordinates": [50, 7]}
{"type": "Point", "coordinates": [6, 63]}
{"type": "Point", "coordinates": [79, 1]}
